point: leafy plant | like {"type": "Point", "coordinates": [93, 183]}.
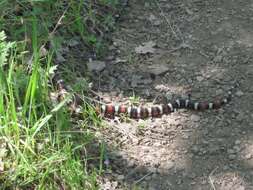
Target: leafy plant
{"type": "Point", "coordinates": [40, 148]}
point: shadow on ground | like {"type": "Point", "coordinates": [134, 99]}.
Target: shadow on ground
{"type": "Point", "coordinates": [202, 47]}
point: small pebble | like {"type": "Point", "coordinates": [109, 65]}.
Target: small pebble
{"type": "Point", "coordinates": [120, 177]}
{"type": "Point", "coordinates": [239, 93]}
{"type": "Point", "coordinates": [231, 156]}
{"type": "Point", "coordinates": [237, 142]}
{"type": "Point", "coordinates": [195, 118]}
{"type": "Point", "coordinates": [248, 156]}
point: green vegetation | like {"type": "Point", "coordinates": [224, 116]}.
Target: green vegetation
{"type": "Point", "coordinates": [135, 100]}
{"type": "Point", "coordinates": [40, 148]}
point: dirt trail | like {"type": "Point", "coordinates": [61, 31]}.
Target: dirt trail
{"type": "Point", "coordinates": [202, 47]}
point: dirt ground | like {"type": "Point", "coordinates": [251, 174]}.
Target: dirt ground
{"type": "Point", "coordinates": [204, 47]}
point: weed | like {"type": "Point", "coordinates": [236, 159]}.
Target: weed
{"type": "Point", "coordinates": [141, 125]}
{"type": "Point", "coordinates": [37, 152]}
{"type": "Point", "coordinates": [134, 100]}
{"type": "Point", "coordinates": [40, 146]}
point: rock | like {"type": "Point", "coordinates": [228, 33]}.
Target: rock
{"type": "Point", "coordinates": [146, 4]}
{"type": "Point", "coordinates": [154, 20]}
{"type": "Point", "coordinates": [165, 167]}
{"type": "Point", "coordinates": [239, 93]}
{"type": "Point", "coordinates": [131, 163]}
{"type": "Point", "coordinates": [237, 149]}
{"type": "Point", "coordinates": [179, 181]}
{"type": "Point", "coordinates": [168, 165]}
{"type": "Point", "coordinates": [237, 142]}
{"type": "Point", "coordinates": [195, 149]}
{"type": "Point", "coordinates": [214, 149]}
{"type": "Point", "coordinates": [248, 156]}
{"type": "Point", "coordinates": [120, 177]}
{"type": "Point", "coordinates": [218, 59]}
{"type": "Point", "coordinates": [200, 78]}
{"type": "Point", "coordinates": [192, 175]}
{"type": "Point", "coordinates": [185, 136]}
{"type": "Point", "coordinates": [219, 91]}
{"type": "Point", "coordinates": [195, 118]}
{"type": "Point", "coordinates": [118, 60]}
{"type": "Point", "coordinates": [138, 80]}
{"type": "Point", "coordinates": [158, 69]}
{"type": "Point", "coordinates": [157, 23]}
{"type": "Point", "coordinates": [231, 156]}
{"type": "Point", "coordinates": [231, 151]}
{"type": "Point", "coordinates": [96, 66]}
{"type": "Point", "coordinates": [152, 169]}
{"type": "Point", "coordinates": [240, 117]}
{"type": "Point", "coordinates": [225, 168]}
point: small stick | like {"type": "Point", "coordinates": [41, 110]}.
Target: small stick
{"type": "Point", "coordinates": [142, 178]}
{"type": "Point", "coordinates": [167, 20]}
{"type": "Point", "coordinates": [210, 178]}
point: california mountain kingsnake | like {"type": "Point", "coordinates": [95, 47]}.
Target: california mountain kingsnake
{"type": "Point", "coordinates": [140, 112]}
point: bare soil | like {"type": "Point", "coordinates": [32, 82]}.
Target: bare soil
{"type": "Point", "coordinates": [204, 47]}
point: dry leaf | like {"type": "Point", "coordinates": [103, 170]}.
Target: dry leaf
{"type": "Point", "coordinates": [147, 47]}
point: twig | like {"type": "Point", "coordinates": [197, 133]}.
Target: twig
{"type": "Point", "coordinates": [59, 22]}
{"type": "Point", "coordinates": [49, 36]}
{"type": "Point", "coordinates": [210, 178]}
{"type": "Point", "coordinates": [93, 100]}
{"type": "Point", "coordinates": [181, 46]}
{"type": "Point", "coordinates": [142, 178]}
{"type": "Point", "coordinates": [167, 20]}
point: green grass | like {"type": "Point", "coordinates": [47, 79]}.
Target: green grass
{"type": "Point", "coordinates": [40, 146]}
{"type": "Point", "coordinates": [36, 138]}
{"type": "Point", "coordinates": [82, 18]}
